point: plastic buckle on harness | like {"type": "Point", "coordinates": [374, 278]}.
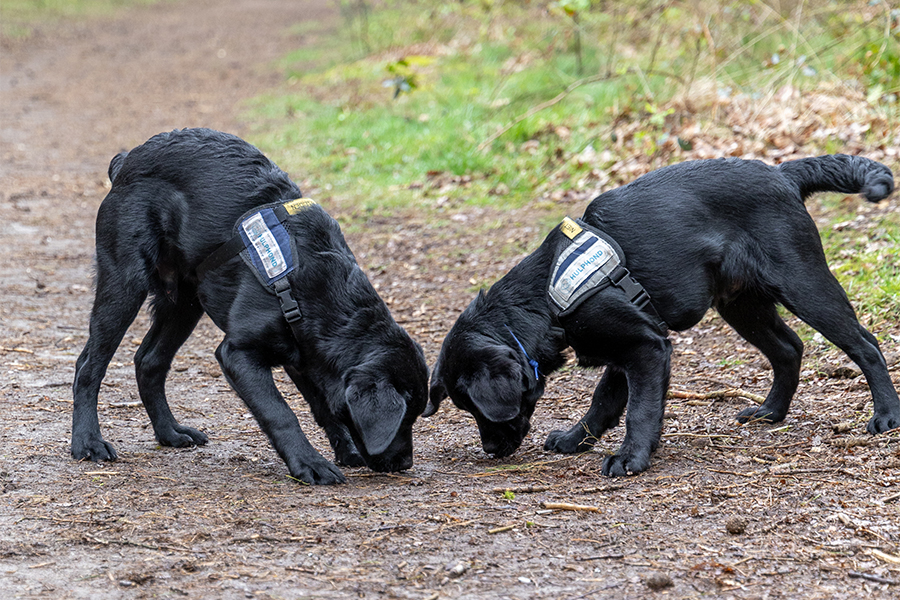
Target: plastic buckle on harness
{"type": "Point", "coordinates": [637, 295]}
{"type": "Point", "coordinates": [289, 306]}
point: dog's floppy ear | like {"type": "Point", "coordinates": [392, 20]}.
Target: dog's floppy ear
{"type": "Point", "coordinates": [377, 411]}
{"type": "Point", "coordinates": [498, 394]}
{"type": "Point", "coordinates": [437, 392]}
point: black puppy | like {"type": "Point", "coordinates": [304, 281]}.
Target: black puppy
{"type": "Point", "coordinates": [175, 201]}
{"type": "Point", "coordinates": [729, 234]}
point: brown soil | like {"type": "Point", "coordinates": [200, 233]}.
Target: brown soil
{"type": "Point", "coordinates": [803, 509]}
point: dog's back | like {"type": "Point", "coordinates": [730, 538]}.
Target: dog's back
{"type": "Point", "coordinates": [695, 233]}
{"type": "Point", "coordinates": [172, 194]}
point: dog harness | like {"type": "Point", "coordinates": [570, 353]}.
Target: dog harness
{"type": "Point", "coordinates": [263, 242]}
{"type": "Point", "coordinates": [591, 261]}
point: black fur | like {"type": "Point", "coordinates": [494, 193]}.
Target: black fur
{"type": "Point", "coordinates": [173, 201]}
{"type": "Point", "coordinates": [729, 234]}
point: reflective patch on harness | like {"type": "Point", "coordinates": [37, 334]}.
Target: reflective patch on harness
{"type": "Point", "coordinates": [268, 244]}
{"type": "Point", "coordinates": [584, 265]}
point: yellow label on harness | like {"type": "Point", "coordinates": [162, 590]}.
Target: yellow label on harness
{"type": "Point", "coordinates": [295, 206]}
{"type": "Point", "coordinates": [570, 228]}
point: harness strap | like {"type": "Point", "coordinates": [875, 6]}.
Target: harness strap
{"type": "Point", "coordinates": [618, 276]}
{"type": "Point", "coordinates": [635, 292]}
{"type": "Point", "coordinates": [233, 247]}
{"type": "Point", "coordinates": [220, 256]}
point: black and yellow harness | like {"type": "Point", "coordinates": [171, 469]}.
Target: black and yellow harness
{"type": "Point", "coordinates": [263, 243]}
{"type": "Point", "coordinates": [590, 262]}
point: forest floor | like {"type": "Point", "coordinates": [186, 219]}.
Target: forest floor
{"type": "Point", "coordinates": [807, 508]}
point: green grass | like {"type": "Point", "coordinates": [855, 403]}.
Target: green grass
{"type": "Point", "coordinates": [472, 70]}
{"type": "Point", "coordinates": [475, 68]}
{"type": "Point", "coordinates": [865, 258]}
{"type": "Point", "coordinates": [19, 17]}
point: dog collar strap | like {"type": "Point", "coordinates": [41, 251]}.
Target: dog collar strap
{"type": "Point", "coordinates": [533, 363]}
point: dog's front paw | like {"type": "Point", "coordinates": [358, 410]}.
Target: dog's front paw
{"type": "Point", "coordinates": [760, 414]}
{"type": "Point", "coordinates": [180, 436]}
{"type": "Point", "coordinates": [320, 472]}
{"type": "Point", "coordinates": [570, 442]}
{"type": "Point", "coordinates": [95, 449]}
{"type": "Point", "coordinates": [626, 463]}
{"type": "Point", "coordinates": [881, 423]}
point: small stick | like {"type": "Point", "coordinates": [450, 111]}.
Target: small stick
{"type": "Point", "coordinates": [500, 529]}
{"type": "Point", "coordinates": [18, 349]}
{"type": "Point", "coordinates": [891, 498]}
{"type": "Point", "coordinates": [718, 394]}
{"type": "Point", "coordinates": [530, 489]}
{"type": "Point", "coordinates": [567, 506]}
{"type": "Point", "coordinates": [870, 577]}
{"type": "Point", "coordinates": [885, 556]}
{"type": "Point", "coordinates": [601, 557]}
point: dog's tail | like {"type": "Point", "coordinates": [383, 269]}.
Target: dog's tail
{"type": "Point", "coordinates": [115, 165]}
{"type": "Point", "coordinates": [840, 173]}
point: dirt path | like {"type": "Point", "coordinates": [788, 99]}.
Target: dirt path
{"type": "Point", "coordinates": [807, 507]}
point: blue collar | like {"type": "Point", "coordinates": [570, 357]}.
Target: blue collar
{"type": "Point", "coordinates": [531, 361]}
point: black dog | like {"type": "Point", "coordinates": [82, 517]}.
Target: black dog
{"type": "Point", "coordinates": [729, 234]}
{"type": "Point", "coordinates": [174, 201]}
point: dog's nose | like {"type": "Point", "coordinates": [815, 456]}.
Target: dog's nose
{"type": "Point", "coordinates": [498, 448]}
{"type": "Point", "coordinates": [391, 465]}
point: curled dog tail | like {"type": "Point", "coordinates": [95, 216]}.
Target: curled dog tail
{"type": "Point", "coordinates": [115, 165]}
{"type": "Point", "coordinates": [840, 173]}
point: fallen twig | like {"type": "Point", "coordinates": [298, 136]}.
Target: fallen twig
{"type": "Point", "coordinates": [18, 349]}
{"type": "Point", "coordinates": [891, 498]}
{"type": "Point", "coordinates": [567, 506]}
{"type": "Point", "coordinates": [529, 489]}
{"type": "Point", "coordinates": [853, 442]}
{"type": "Point", "coordinates": [601, 557]}
{"type": "Point", "coordinates": [885, 556]}
{"type": "Point", "coordinates": [870, 577]}
{"type": "Point", "coordinates": [500, 529]}
{"type": "Point", "coordinates": [716, 395]}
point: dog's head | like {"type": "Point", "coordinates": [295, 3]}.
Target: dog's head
{"type": "Point", "coordinates": [383, 397]}
{"type": "Point", "coordinates": [485, 371]}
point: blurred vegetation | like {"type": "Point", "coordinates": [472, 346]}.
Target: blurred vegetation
{"type": "Point", "coordinates": [410, 88]}
{"type": "Point", "coordinates": [444, 105]}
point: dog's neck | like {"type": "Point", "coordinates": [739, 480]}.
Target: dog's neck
{"type": "Point", "coordinates": [518, 304]}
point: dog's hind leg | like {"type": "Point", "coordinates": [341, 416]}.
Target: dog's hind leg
{"type": "Point", "coordinates": [172, 324]}
{"type": "Point", "coordinates": [607, 406]}
{"type": "Point", "coordinates": [757, 321]}
{"type": "Point", "coordinates": [116, 304]}
{"type": "Point", "coordinates": [822, 304]}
